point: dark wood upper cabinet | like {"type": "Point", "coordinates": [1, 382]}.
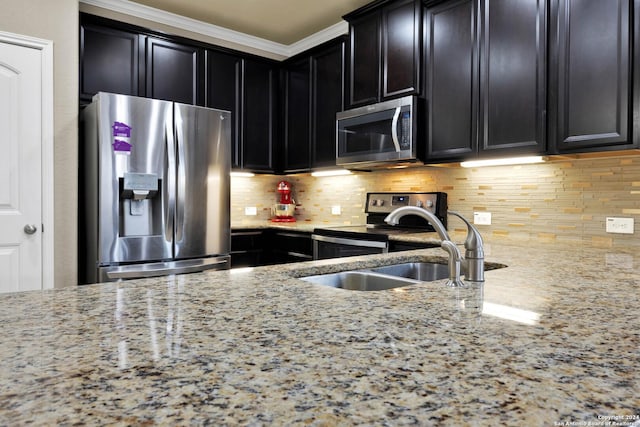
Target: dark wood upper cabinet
{"type": "Point", "coordinates": [451, 73]}
{"type": "Point", "coordinates": [401, 46]}
{"type": "Point", "coordinates": [297, 150]}
{"type": "Point", "coordinates": [174, 71]}
{"type": "Point", "coordinates": [259, 103]}
{"type": "Point", "coordinates": [109, 61]}
{"type": "Point", "coordinates": [314, 93]}
{"type": "Point", "coordinates": [513, 67]}
{"type": "Point", "coordinates": [593, 80]}
{"type": "Point", "coordinates": [327, 76]}
{"type": "Point", "coordinates": [384, 51]}
{"type": "Point", "coordinates": [364, 60]}
{"type": "Point", "coordinates": [223, 92]}
{"type": "Point", "coordinates": [486, 78]}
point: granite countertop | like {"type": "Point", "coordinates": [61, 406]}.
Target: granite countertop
{"type": "Point", "coordinates": [552, 339]}
{"type": "Point", "coordinates": [303, 226]}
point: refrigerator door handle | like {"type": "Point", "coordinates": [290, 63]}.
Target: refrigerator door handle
{"type": "Point", "coordinates": [181, 175]}
{"type": "Point", "coordinates": [170, 192]}
{"type": "Point", "coordinates": [160, 269]}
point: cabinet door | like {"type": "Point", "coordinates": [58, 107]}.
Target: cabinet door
{"type": "Point", "coordinates": [109, 61]}
{"type": "Point", "coordinates": [452, 95]}
{"type": "Point", "coordinates": [401, 48]}
{"type": "Point", "coordinates": [364, 60]}
{"type": "Point", "coordinates": [223, 88]}
{"type": "Point", "coordinates": [512, 76]}
{"type": "Point", "coordinates": [258, 109]}
{"type": "Point", "coordinates": [297, 117]}
{"type": "Point", "coordinates": [592, 106]}
{"type": "Point", "coordinates": [328, 99]}
{"type": "Point", "coordinates": [174, 72]}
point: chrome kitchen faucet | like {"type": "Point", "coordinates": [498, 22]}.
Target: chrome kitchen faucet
{"type": "Point", "coordinates": [472, 263]}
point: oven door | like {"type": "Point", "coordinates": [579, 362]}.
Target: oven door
{"type": "Point", "coordinates": [325, 247]}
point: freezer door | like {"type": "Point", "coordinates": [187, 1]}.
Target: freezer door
{"type": "Point", "coordinates": [136, 186]}
{"type": "Point", "coordinates": [202, 225]}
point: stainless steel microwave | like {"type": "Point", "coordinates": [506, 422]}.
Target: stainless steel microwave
{"type": "Point", "coordinates": [381, 134]}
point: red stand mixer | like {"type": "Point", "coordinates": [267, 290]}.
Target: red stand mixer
{"type": "Point", "coordinates": [284, 209]}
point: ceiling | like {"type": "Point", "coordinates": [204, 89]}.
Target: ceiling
{"type": "Point", "coordinates": [279, 21]}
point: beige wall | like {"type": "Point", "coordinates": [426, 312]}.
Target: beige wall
{"type": "Point", "coordinates": [564, 200]}
{"type": "Point", "coordinates": [57, 21]}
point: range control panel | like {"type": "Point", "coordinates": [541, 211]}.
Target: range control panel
{"type": "Point", "coordinates": [384, 203]}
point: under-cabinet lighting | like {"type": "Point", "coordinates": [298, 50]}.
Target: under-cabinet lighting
{"type": "Point", "coordinates": [242, 174]}
{"type": "Point", "coordinates": [332, 172]}
{"type": "Point", "coordinates": [503, 162]}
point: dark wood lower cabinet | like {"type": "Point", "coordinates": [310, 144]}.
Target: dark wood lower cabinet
{"type": "Point", "coordinates": [255, 247]}
{"type": "Point", "coordinates": [289, 246]}
{"type": "Point", "coordinates": [247, 248]}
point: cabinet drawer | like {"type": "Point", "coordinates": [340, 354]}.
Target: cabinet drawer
{"type": "Point", "coordinates": [246, 240]}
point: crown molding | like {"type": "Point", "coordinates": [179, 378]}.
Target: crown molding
{"type": "Point", "coordinates": [336, 30]}
{"type": "Point", "coordinates": [193, 25]}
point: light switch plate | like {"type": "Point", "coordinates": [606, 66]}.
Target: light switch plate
{"type": "Point", "coordinates": [336, 210]}
{"type": "Point", "coordinates": [619, 225]}
{"type": "Point", "coordinates": [482, 218]}
{"type": "Point", "coordinates": [251, 210]}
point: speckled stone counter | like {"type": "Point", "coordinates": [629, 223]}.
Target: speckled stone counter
{"type": "Point", "coordinates": [305, 226]}
{"type": "Point", "coordinates": [552, 339]}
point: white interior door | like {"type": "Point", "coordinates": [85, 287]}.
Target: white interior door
{"type": "Point", "coordinates": [20, 168]}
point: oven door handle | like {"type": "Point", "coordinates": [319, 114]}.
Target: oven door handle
{"type": "Point", "coordinates": [350, 242]}
{"type": "Point", "coordinates": [394, 129]}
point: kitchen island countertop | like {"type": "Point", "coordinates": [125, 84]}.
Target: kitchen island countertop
{"type": "Point", "coordinates": [552, 339]}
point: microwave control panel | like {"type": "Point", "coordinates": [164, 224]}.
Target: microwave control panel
{"type": "Point", "coordinates": [405, 132]}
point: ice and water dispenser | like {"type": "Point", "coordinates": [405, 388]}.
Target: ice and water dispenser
{"type": "Point", "coordinates": [140, 204]}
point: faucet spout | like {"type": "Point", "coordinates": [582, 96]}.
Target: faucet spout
{"type": "Point", "coordinates": [455, 258]}
{"type": "Point", "coordinates": [472, 264]}
{"type": "Point", "coordinates": [394, 218]}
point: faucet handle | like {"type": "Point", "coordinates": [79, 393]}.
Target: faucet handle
{"type": "Point", "coordinates": [473, 243]}
{"type": "Point", "coordinates": [454, 263]}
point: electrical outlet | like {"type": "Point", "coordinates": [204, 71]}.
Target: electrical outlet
{"type": "Point", "coordinates": [335, 210]}
{"type": "Point", "coordinates": [482, 218]}
{"type": "Point", "coordinates": [251, 210]}
{"type": "Point", "coordinates": [619, 225]}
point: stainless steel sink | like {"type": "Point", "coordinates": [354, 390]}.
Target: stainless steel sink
{"type": "Point", "coordinates": [360, 280]}
{"type": "Point", "coordinates": [422, 271]}
{"type": "Point", "coordinates": [388, 276]}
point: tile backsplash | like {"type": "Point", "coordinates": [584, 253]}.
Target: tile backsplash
{"type": "Point", "coordinates": [561, 200]}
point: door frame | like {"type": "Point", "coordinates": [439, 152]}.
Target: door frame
{"type": "Point", "coordinates": [47, 149]}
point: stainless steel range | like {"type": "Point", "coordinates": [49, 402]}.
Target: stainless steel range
{"type": "Point", "coordinates": [372, 238]}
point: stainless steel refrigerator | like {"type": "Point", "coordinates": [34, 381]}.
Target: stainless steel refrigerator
{"type": "Point", "coordinates": [156, 188]}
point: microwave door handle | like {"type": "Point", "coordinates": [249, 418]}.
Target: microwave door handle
{"type": "Point", "coordinates": [394, 129]}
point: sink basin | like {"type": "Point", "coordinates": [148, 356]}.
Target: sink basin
{"type": "Point", "coordinates": [388, 276]}
{"type": "Point", "coordinates": [360, 280]}
{"type": "Point", "coordinates": [422, 271]}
